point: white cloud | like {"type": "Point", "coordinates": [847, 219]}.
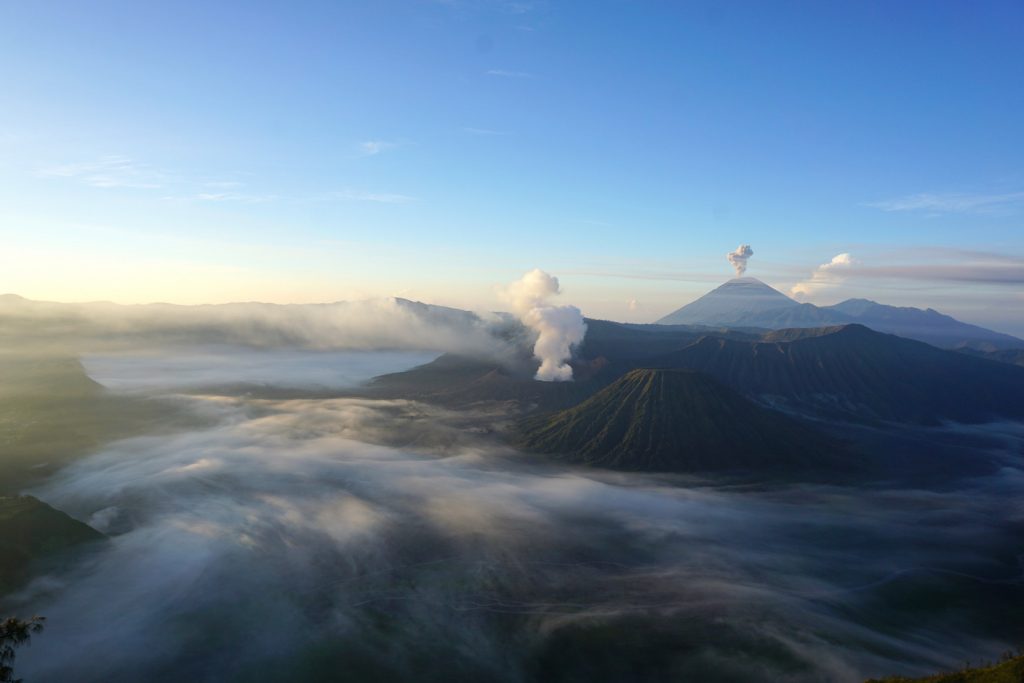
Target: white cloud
{"type": "Point", "coordinates": [110, 171]}
{"type": "Point", "coordinates": [371, 148]}
{"type": "Point", "coordinates": [826, 275]}
{"type": "Point", "coordinates": [484, 131]}
{"type": "Point", "coordinates": [233, 197]}
{"type": "Point", "coordinates": [953, 202]}
{"type": "Point", "coordinates": [353, 195]}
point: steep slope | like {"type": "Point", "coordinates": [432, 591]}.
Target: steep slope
{"type": "Point", "coordinates": [31, 531]}
{"type": "Point", "coordinates": [851, 371]}
{"type": "Point", "coordinates": [673, 421]}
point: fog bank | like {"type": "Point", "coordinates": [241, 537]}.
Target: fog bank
{"type": "Point", "coordinates": [298, 539]}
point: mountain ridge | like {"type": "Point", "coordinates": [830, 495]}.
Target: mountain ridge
{"type": "Point", "coordinates": [748, 302]}
{"type": "Point", "coordinates": [851, 371]}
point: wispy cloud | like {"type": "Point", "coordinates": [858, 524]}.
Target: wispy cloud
{"type": "Point", "coordinates": [112, 171]}
{"type": "Point", "coordinates": [121, 172]}
{"type": "Point", "coordinates": [484, 131]}
{"type": "Point", "coordinates": [980, 273]}
{"type": "Point", "coordinates": [369, 148]}
{"type": "Point", "coordinates": [518, 7]}
{"type": "Point", "coordinates": [934, 266]}
{"type": "Point", "coordinates": [353, 195]}
{"type": "Point", "coordinates": [503, 6]}
{"type": "Point", "coordinates": [234, 197]}
{"type": "Point", "coordinates": [504, 73]}
{"type": "Point", "coordinates": [953, 202]}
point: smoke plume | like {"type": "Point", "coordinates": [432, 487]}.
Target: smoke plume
{"type": "Point", "coordinates": [739, 258]}
{"type": "Point", "coordinates": [558, 328]}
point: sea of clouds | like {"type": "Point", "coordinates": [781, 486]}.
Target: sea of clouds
{"type": "Point", "coordinates": [353, 539]}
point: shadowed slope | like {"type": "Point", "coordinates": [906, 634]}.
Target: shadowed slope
{"type": "Point", "coordinates": [672, 420]}
{"type": "Point", "coordinates": [851, 371]}
{"type": "Point", "coordinates": [31, 531]}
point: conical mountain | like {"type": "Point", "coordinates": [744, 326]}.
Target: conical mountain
{"type": "Point", "coordinates": [674, 421]}
{"type": "Point", "coordinates": [748, 302]}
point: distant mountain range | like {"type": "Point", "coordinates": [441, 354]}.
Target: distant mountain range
{"type": "Point", "coordinates": [675, 421]}
{"type": "Point", "coordinates": [847, 372]}
{"type": "Point", "coordinates": [749, 303]}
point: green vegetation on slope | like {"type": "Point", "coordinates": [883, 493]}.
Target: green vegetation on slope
{"type": "Point", "coordinates": [51, 411]}
{"type": "Point", "coordinates": [1008, 671]}
{"type": "Point", "coordinates": [31, 531]}
{"type": "Point", "coordinates": [674, 420]}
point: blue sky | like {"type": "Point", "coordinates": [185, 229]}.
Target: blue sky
{"type": "Point", "coordinates": [214, 151]}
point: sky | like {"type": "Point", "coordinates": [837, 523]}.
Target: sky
{"type": "Point", "coordinates": [199, 152]}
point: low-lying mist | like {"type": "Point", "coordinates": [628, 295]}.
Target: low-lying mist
{"type": "Point", "coordinates": [212, 366]}
{"type": "Point", "coordinates": [376, 324]}
{"type": "Point", "coordinates": [381, 540]}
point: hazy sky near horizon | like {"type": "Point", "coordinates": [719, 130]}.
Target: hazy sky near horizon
{"type": "Point", "coordinates": [292, 152]}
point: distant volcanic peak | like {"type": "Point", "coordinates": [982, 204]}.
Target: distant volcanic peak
{"type": "Point", "coordinates": [730, 303]}
{"type": "Point", "coordinates": [750, 286]}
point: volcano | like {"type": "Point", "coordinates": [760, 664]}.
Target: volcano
{"type": "Point", "coordinates": [674, 421]}
{"type": "Point", "coordinates": [747, 302]}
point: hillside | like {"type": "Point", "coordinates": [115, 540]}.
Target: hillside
{"type": "Point", "coordinates": [30, 532]}
{"type": "Point", "coordinates": [51, 411]}
{"type": "Point", "coordinates": [1011, 356]}
{"type": "Point", "coordinates": [673, 421]}
{"type": "Point", "coordinates": [853, 372]}
{"type": "Point", "coordinates": [1008, 671]}
{"type": "Point", "coordinates": [460, 381]}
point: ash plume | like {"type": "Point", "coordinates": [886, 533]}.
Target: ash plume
{"type": "Point", "coordinates": [558, 328]}
{"type": "Point", "coordinates": [739, 258]}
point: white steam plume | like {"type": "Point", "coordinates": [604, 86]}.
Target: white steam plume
{"type": "Point", "coordinates": [739, 258]}
{"type": "Point", "coordinates": [558, 328]}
